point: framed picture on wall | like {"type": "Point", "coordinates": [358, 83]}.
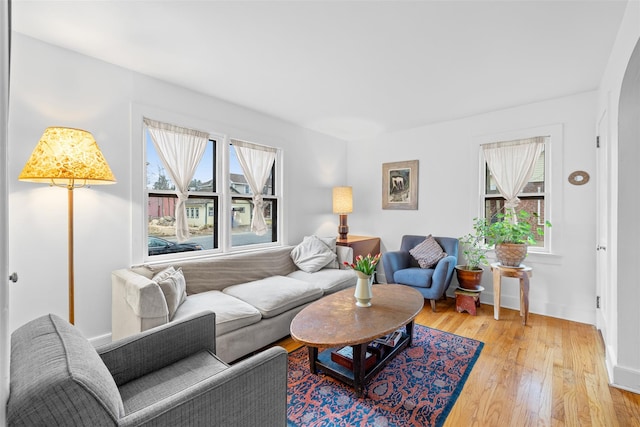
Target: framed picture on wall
{"type": "Point", "coordinates": [400, 185]}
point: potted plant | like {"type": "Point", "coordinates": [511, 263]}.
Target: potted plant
{"type": "Point", "coordinates": [511, 234]}
{"type": "Point", "coordinates": [474, 249]}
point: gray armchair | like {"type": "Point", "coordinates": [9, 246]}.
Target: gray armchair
{"type": "Point", "coordinates": [166, 376]}
{"type": "Point", "coordinates": [400, 267]}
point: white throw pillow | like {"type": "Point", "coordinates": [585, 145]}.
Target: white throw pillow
{"type": "Point", "coordinates": [312, 254]}
{"type": "Point", "coordinates": [174, 288]}
{"type": "Point", "coordinates": [428, 253]}
{"type": "Point", "coordinates": [331, 244]}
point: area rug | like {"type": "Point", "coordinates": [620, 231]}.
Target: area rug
{"type": "Point", "coordinates": [417, 388]}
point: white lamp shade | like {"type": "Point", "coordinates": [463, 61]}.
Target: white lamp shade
{"type": "Point", "coordinates": [342, 200]}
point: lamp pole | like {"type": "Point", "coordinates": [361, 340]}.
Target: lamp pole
{"type": "Point", "coordinates": [70, 250]}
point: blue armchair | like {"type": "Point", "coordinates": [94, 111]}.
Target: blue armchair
{"type": "Point", "coordinates": [400, 267]}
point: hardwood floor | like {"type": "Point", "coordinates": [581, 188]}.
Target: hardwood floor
{"type": "Point", "coordinates": [549, 373]}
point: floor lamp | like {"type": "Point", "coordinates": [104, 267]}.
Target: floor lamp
{"type": "Point", "coordinates": [69, 158]}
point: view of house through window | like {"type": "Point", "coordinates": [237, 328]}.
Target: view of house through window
{"type": "Point", "coordinates": [242, 205]}
{"type": "Point", "coordinates": [201, 206]}
{"type": "Point", "coordinates": [532, 197]}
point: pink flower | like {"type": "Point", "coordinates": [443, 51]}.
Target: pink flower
{"type": "Point", "coordinates": [366, 265]}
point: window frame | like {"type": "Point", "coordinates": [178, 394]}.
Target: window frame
{"type": "Point", "coordinates": [552, 182]}
{"type": "Point", "coordinates": [214, 196]}
{"type": "Point", "coordinates": [276, 177]}
{"type": "Point", "coordinates": [523, 196]}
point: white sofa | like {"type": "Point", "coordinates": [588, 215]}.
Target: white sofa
{"type": "Point", "coordinates": [255, 295]}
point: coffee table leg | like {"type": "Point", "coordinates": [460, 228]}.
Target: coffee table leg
{"type": "Point", "coordinates": [409, 329]}
{"type": "Point", "coordinates": [359, 353]}
{"type": "Point", "coordinates": [313, 356]}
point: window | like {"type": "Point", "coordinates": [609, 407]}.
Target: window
{"type": "Point", "coordinates": [243, 206]}
{"type": "Point", "coordinates": [210, 193]}
{"type": "Point", "coordinates": [162, 199]}
{"type": "Point", "coordinates": [534, 197]}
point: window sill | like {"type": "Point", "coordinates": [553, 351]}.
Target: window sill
{"type": "Point", "coordinates": [210, 253]}
{"type": "Point", "coordinates": [533, 257]}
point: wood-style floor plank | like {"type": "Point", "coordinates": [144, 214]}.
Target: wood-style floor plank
{"type": "Point", "coordinates": [550, 372]}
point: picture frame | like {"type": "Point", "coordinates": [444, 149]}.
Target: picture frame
{"type": "Point", "coordinates": [400, 185]}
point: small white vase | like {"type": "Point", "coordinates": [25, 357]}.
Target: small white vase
{"type": "Point", "coordinates": [363, 292]}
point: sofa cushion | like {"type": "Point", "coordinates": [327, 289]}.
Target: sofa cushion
{"type": "Point", "coordinates": [327, 279]}
{"type": "Point", "coordinates": [414, 276]}
{"type": "Point", "coordinates": [428, 253]}
{"type": "Point", "coordinates": [218, 272]}
{"type": "Point", "coordinates": [173, 286]}
{"type": "Point", "coordinates": [231, 313]}
{"type": "Point", "coordinates": [170, 381]}
{"type": "Point", "coordinates": [312, 254]}
{"type": "Point", "coordinates": [275, 295]}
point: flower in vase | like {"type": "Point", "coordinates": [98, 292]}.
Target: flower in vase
{"type": "Point", "coordinates": [366, 265]}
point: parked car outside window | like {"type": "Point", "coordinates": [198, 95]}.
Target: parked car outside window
{"type": "Point", "coordinates": [159, 246]}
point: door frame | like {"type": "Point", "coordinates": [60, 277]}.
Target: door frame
{"type": "Point", "coordinates": [603, 294]}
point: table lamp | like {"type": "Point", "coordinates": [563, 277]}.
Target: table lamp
{"type": "Point", "coordinates": [343, 205]}
{"type": "Point", "coordinates": [69, 158]}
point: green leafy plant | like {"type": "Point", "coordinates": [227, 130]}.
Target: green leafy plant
{"type": "Point", "coordinates": [366, 265]}
{"type": "Point", "coordinates": [513, 227]}
{"type": "Point", "coordinates": [473, 245]}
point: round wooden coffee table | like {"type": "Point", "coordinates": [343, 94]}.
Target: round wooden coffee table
{"type": "Point", "coordinates": [335, 321]}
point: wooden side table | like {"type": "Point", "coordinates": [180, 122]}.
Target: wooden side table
{"type": "Point", "coordinates": [523, 273]}
{"type": "Point", "coordinates": [361, 245]}
{"type": "Point", "coordinates": [467, 301]}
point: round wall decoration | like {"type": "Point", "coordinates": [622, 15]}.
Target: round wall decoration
{"type": "Point", "coordinates": [579, 178]}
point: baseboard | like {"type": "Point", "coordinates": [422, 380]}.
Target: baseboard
{"type": "Point", "coordinates": [100, 340]}
{"type": "Point", "coordinates": [609, 361]}
{"type": "Point", "coordinates": [625, 378]}
{"type": "Point", "coordinates": [559, 311]}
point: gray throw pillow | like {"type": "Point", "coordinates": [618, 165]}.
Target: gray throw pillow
{"type": "Point", "coordinates": [174, 288]}
{"type": "Point", "coordinates": [428, 253]}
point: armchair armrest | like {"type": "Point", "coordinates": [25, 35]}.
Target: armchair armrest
{"type": "Point", "coordinates": [137, 355]}
{"type": "Point", "coordinates": [249, 393]}
{"type": "Point", "coordinates": [443, 272]}
{"type": "Point", "coordinates": [393, 261]}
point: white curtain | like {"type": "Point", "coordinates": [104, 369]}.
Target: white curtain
{"type": "Point", "coordinates": [180, 150]}
{"type": "Point", "coordinates": [5, 336]}
{"type": "Point", "coordinates": [256, 162]}
{"type": "Point", "coordinates": [512, 163]}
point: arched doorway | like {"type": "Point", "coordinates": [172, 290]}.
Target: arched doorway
{"type": "Point", "coordinates": [628, 229]}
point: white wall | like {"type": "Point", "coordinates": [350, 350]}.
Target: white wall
{"type": "Point", "coordinates": [51, 86]}
{"type": "Point", "coordinates": [563, 284]}
{"type": "Point", "coordinates": [621, 317]}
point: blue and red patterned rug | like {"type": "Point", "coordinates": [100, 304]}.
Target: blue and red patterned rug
{"type": "Point", "coordinates": [417, 388]}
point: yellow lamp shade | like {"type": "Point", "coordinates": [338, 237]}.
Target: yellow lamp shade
{"type": "Point", "coordinates": [342, 200]}
{"type": "Point", "coordinates": [67, 157]}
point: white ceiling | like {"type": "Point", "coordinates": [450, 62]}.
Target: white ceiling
{"type": "Point", "coordinates": [351, 69]}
